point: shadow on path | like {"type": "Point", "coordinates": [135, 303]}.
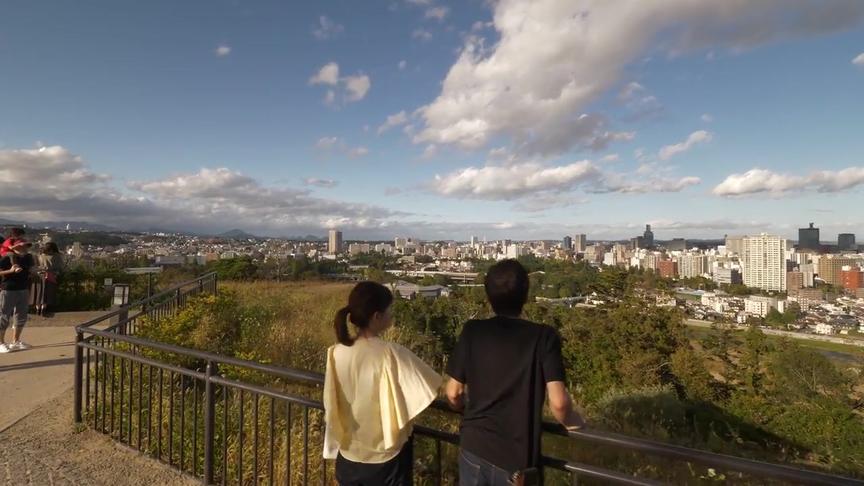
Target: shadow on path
{"type": "Point", "coordinates": [37, 364]}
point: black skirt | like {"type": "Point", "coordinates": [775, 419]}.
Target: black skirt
{"type": "Point", "coordinates": [395, 472]}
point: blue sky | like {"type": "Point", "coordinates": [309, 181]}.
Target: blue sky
{"type": "Point", "coordinates": [508, 118]}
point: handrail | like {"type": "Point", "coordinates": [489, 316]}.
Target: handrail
{"type": "Point", "coordinates": [144, 301]}
{"type": "Point", "coordinates": [647, 446]}
{"type": "Point", "coordinates": [618, 441]}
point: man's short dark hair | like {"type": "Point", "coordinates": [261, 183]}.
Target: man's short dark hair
{"type": "Point", "coordinates": [507, 287]}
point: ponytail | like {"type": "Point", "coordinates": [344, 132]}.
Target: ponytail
{"type": "Point", "coordinates": [365, 300]}
{"type": "Point", "coordinates": [340, 325]}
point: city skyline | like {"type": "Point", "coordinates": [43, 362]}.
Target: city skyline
{"type": "Point", "coordinates": [434, 119]}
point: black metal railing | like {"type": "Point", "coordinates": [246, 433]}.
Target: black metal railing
{"type": "Point", "coordinates": [232, 421]}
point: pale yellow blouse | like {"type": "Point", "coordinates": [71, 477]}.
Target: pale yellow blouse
{"type": "Point", "coordinates": [372, 392]}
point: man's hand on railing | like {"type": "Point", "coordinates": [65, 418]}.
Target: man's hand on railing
{"type": "Point", "coordinates": [561, 406]}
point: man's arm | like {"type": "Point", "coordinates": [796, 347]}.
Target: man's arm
{"type": "Point", "coordinates": [562, 406]}
{"type": "Point", "coordinates": [455, 392]}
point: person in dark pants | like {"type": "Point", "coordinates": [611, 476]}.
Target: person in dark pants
{"type": "Point", "coordinates": [373, 390]}
{"type": "Point", "coordinates": [15, 269]}
{"type": "Point", "coordinates": [50, 267]}
{"type": "Point", "coordinates": [500, 372]}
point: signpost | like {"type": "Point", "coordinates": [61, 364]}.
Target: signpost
{"type": "Point", "coordinates": [149, 271]}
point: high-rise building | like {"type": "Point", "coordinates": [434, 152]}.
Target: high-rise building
{"type": "Point", "coordinates": [580, 242]}
{"type": "Point", "coordinates": [846, 242]}
{"type": "Point", "coordinates": [677, 244]}
{"type": "Point", "coordinates": [727, 276]}
{"type": "Point", "coordinates": [334, 245]}
{"type": "Point", "coordinates": [473, 241]}
{"type": "Point", "coordinates": [567, 244]}
{"type": "Point", "coordinates": [794, 282]}
{"type": "Point", "coordinates": [734, 245]}
{"type": "Point", "coordinates": [851, 278]}
{"type": "Point", "coordinates": [830, 267]}
{"type": "Point", "coordinates": [692, 265]}
{"type": "Point", "coordinates": [668, 268]}
{"type": "Point", "coordinates": [808, 238]}
{"type": "Point", "coordinates": [764, 262]}
{"type": "Point", "coordinates": [648, 237]}
{"type": "Point", "coordinates": [637, 242]}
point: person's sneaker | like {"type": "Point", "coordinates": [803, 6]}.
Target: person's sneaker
{"type": "Point", "coordinates": [4, 348]}
{"type": "Point", "coordinates": [19, 346]}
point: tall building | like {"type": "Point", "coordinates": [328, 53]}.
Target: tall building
{"type": "Point", "coordinates": [567, 243]}
{"type": "Point", "coordinates": [668, 268]}
{"type": "Point", "coordinates": [473, 241]}
{"type": "Point", "coordinates": [727, 276]}
{"type": "Point", "coordinates": [808, 238]}
{"type": "Point", "coordinates": [677, 244]}
{"type": "Point", "coordinates": [580, 242]}
{"type": "Point", "coordinates": [846, 242]}
{"type": "Point", "coordinates": [830, 267]}
{"type": "Point", "coordinates": [334, 245]}
{"type": "Point", "coordinates": [734, 245]}
{"type": "Point", "coordinates": [692, 265]}
{"type": "Point", "coordinates": [648, 237]}
{"type": "Point", "coordinates": [764, 262]}
{"type": "Point", "coordinates": [851, 278]}
{"type": "Point", "coordinates": [794, 282]}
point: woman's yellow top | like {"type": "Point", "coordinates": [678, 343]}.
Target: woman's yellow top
{"type": "Point", "coordinates": [372, 392]}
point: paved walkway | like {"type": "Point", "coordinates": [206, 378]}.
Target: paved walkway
{"type": "Point", "coordinates": [38, 442]}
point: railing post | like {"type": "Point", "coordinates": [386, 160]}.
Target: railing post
{"type": "Point", "coordinates": [79, 370]}
{"type": "Point", "coordinates": [122, 317]}
{"type": "Point", "coordinates": [209, 422]}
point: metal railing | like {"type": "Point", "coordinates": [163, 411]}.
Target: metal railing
{"type": "Point", "coordinates": [232, 421]}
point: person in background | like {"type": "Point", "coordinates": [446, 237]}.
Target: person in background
{"type": "Point", "coordinates": [500, 372]}
{"type": "Point", "coordinates": [15, 269]}
{"type": "Point", "coordinates": [373, 390]}
{"type": "Point", "coordinates": [50, 263]}
{"type": "Point", "coordinates": [15, 235]}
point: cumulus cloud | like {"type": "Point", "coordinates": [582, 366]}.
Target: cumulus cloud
{"type": "Point", "coordinates": [437, 13]}
{"type": "Point", "coordinates": [354, 87]}
{"type": "Point", "coordinates": [357, 86]}
{"type": "Point", "coordinates": [223, 50]}
{"type": "Point", "coordinates": [324, 183]}
{"type": "Point", "coordinates": [859, 60]}
{"type": "Point", "coordinates": [763, 181]}
{"type": "Point", "coordinates": [642, 185]}
{"type": "Point", "coordinates": [327, 28]}
{"type": "Point", "coordinates": [504, 183]}
{"type": "Point", "coordinates": [533, 96]}
{"type": "Point", "coordinates": [695, 138]}
{"type": "Point", "coordinates": [707, 118]}
{"type": "Point", "coordinates": [422, 34]}
{"type": "Point", "coordinates": [328, 74]}
{"type": "Point", "coordinates": [393, 120]}
{"type": "Point", "coordinates": [337, 145]}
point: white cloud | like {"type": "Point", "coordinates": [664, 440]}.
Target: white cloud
{"type": "Point", "coordinates": [337, 145]}
{"type": "Point", "coordinates": [762, 181]}
{"type": "Point", "coordinates": [511, 182]}
{"type": "Point", "coordinates": [403, 64]}
{"type": "Point", "coordinates": [327, 28]}
{"type": "Point", "coordinates": [358, 152]}
{"type": "Point", "coordinates": [431, 151]}
{"type": "Point", "coordinates": [328, 74]}
{"type": "Point", "coordinates": [697, 137]}
{"type": "Point", "coordinates": [643, 185]}
{"type": "Point", "coordinates": [437, 13]}
{"type": "Point", "coordinates": [324, 183]}
{"type": "Point", "coordinates": [545, 202]}
{"type": "Point", "coordinates": [859, 60]}
{"type": "Point", "coordinates": [356, 87]}
{"type": "Point", "coordinates": [223, 50]}
{"type": "Point", "coordinates": [707, 118]}
{"type": "Point", "coordinates": [533, 96]}
{"type": "Point", "coordinates": [422, 34]}
{"type": "Point", "coordinates": [393, 120]}
{"type": "Point", "coordinates": [610, 158]}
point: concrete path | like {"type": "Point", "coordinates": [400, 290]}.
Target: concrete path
{"type": "Point", "coordinates": [33, 377]}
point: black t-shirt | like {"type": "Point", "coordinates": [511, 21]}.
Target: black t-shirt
{"type": "Point", "coordinates": [505, 364]}
{"type": "Point", "coordinates": [20, 280]}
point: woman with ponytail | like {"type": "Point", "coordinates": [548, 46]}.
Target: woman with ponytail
{"type": "Point", "coordinates": [373, 390]}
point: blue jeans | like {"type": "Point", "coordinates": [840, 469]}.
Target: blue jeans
{"type": "Point", "coordinates": [474, 471]}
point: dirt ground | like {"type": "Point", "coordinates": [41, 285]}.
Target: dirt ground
{"type": "Point", "coordinates": [43, 448]}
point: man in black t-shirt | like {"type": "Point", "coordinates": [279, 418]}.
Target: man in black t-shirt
{"type": "Point", "coordinates": [15, 270]}
{"type": "Point", "coordinates": [500, 373]}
